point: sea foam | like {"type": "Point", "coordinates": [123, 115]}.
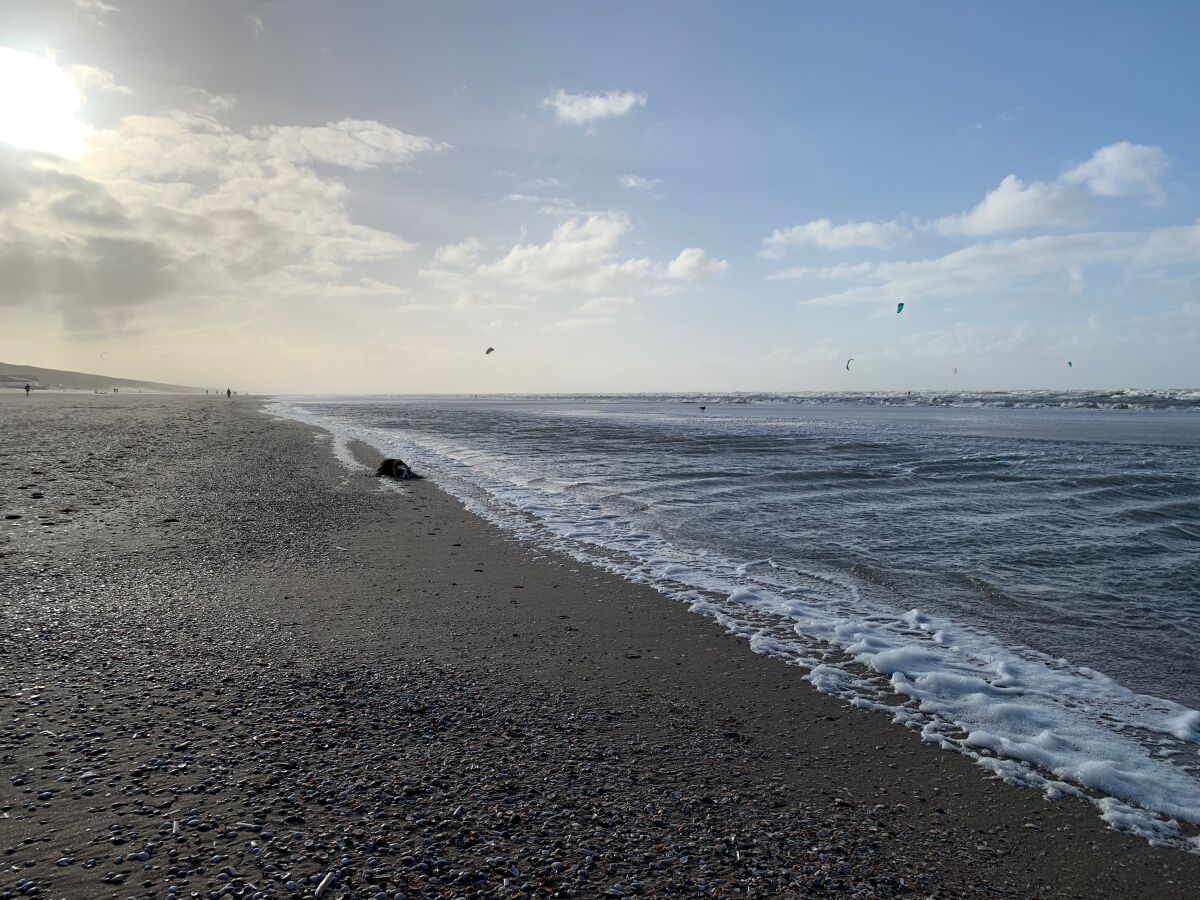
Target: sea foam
{"type": "Point", "coordinates": [1024, 716]}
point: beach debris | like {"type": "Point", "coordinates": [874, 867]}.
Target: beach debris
{"type": "Point", "coordinates": [850, 360]}
{"type": "Point", "coordinates": [395, 468]}
{"type": "Point", "coordinates": [899, 308]}
{"type": "Point", "coordinates": [489, 351]}
{"type": "Point", "coordinates": [324, 885]}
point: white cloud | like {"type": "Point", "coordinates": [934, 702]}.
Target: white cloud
{"type": "Point", "coordinates": [1117, 170]}
{"type": "Point", "coordinates": [96, 10]}
{"type": "Point", "coordinates": [353, 143]}
{"type": "Point", "coordinates": [452, 281]}
{"type": "Point", "coordinates": [582, 109]}
{"type": "Point", "coordinates": [483, 301]}
{"type": "Point", "coordinates": [1122, 170]}
{"type": "Point", "coordinates": [642, 185]}
{"type": "Point", "coordinates": [580, 254]}
{"type": "Point", "coordinates": [608, 306]}
{"type": "Point", "coordinates": [100, 79]}
{"type": "Point", "coordinates": [841, 271]}
{"type": "Point", "coordinates": [692, 264]}
{"type": "Point", "coordinates": [1047, 262]}
{"type": "Point", "coordinates": [547, 206]}
{"type": "Point", "coordinates": [212, 104]}
{"type": "Point", "coordinates": [823, 233]}
{"type": "Point", "coordinates": [1015, 206]}
{"type": "Point", "coordinates": [181, 205]}
{"type": "Point", "coordinates": [575, 324]}
{"type": "Point", "coordinates": [459, 255]}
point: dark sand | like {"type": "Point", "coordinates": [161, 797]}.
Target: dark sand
{"type": "Point", "coordinates": [229, 667]}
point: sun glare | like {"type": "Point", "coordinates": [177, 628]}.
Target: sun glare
{"type": "Point", "coordinates": [39, 105]}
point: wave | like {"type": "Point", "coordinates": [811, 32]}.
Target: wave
{"type": "Point", "coordinates": [1024, 716]}
{"type": "Point", "coordinates": [1118, 399]}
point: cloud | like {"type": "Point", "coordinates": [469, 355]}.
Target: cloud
{"type": "Point", "coordinates": [256, 23]}
{"type": "Point", "coordinates": [1117, 170]}
{"type": "Point", "coordinates": [459, 255]}
{"type": "Point", "coordinates": [112, 271]}
{"type": "Point", "coordinates": [1122, 170]}
{"type": "Point", "coordinates": [1015, 206]}
{"type": "Point", "coordinates": [575, 324]}
{"type": "Point", "coordinates": [353, 143]}
{"type": "Point", "coordinates": [583, 109]}
{"type": "Point", "coordinates": [841, 271]}
{"type": "Point", "coordinates": [581, 253]}
{"type": "Point", "coordinates": [691, 265]}
{"type": "Point", "coordinates": [96, 10]}
{"type": "Point", "coordinates": [92, 77]}
{"type": "Point", "coordinates": [1047, 263]}
{"type": "Point", "coordinates": [608, 306]}
{"type": "Point", "coordinates": [547, 206]}
{"type": "Point", "coordinates": [647, 186]}
{"type": "Point", "coordinates": [180, 205]}
{"type": "Point", "coordinates": [823, 233]}
{"type": "Point", "coordinates": [212, 104]}
{"type": "Point", "coordinates": [539, 184]}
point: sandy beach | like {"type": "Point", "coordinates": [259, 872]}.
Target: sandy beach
{"type": "Point", "coordinates": [232, 667]}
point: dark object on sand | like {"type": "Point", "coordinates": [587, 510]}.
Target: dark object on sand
{"type": "Point", "coordinates": [395, 468]}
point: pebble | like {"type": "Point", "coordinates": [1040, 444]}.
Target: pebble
{"type": "Point", "coordinates": [265, 761]}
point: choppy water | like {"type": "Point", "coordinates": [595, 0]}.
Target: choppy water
{"type": "Point", "coordinates": [1016, 575]}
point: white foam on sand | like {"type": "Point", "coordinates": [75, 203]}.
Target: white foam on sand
{"type": "Point", "coordinates": [1023, 716]}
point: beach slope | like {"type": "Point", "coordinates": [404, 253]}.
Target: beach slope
{"type": "Point", "coordinates": [232, 666]}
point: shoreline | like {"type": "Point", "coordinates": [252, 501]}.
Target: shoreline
{"type": "Point", "coordinates": [224, 588]}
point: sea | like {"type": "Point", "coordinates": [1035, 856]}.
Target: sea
{"type": "Point", "coordinates": [1015, 575]}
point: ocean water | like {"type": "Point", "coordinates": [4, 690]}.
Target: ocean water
{"type": "Point", "coordinates": [1016, 575]}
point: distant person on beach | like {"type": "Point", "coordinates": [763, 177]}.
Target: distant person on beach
{"type": "Point", "coordinates": [27, 389]}
{"type": "Point", "coordinates": [228, 393]}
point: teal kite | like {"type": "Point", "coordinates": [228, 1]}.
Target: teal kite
{"type": "Point", "coordinates": [899, 308]}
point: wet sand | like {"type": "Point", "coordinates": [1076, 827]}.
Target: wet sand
{"type": "Point", "coordinates": [232, 668]}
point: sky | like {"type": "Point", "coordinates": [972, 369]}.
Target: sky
{"type": "Point", "coordinates": [310, 196]}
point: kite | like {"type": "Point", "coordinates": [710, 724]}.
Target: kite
{"type": "Point", "coordinates": [850, 360]}
{"type": "Point", "coordinates": [1070, 365]}
{"type": "Point", "coordinates": [489, 351]}
{"type": "Point", "coordinates": [899, 308]}
{"type": "Point", "coordinates": [703, 408]}
{"type": "Point", "coordinates": [956, 370]}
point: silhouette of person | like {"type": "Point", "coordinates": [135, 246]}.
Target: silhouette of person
{"type": "Point", "coordinates": [228, 393]}
{"type": "Point", "coordinates": [27, 389]}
